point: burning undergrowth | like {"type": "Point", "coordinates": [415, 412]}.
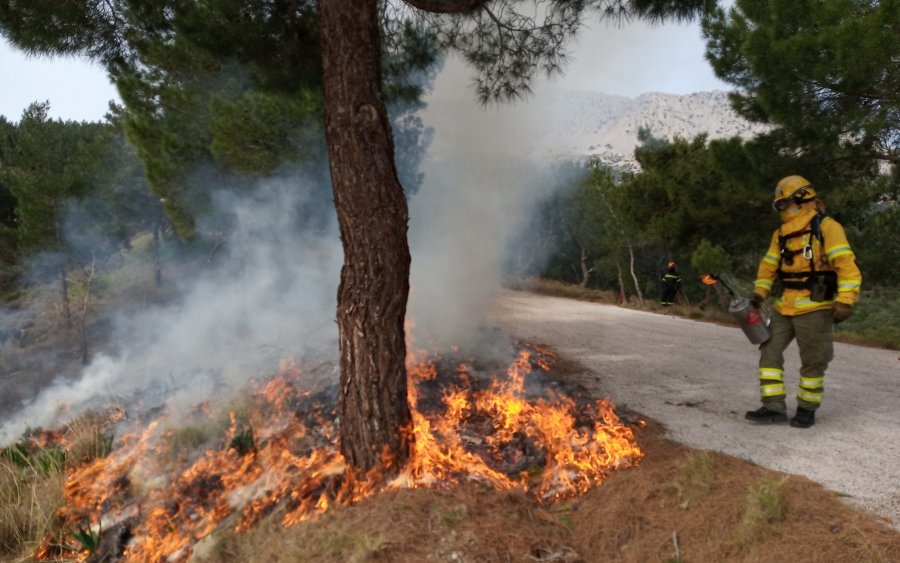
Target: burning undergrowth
{"type": "Point", "coordinates": [163, 487]}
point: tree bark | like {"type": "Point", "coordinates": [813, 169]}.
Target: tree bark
{"type": "Point", "coordinates": [637, 284]}
{"type": "Point", "coordinates": [84, 311]}
{"type": "Point", "coordinates": [64, 295]}
{"type": "Point", "coordinates": [157, 260]}
{"type": "Point", "coordinates": [63, 271]}
{"type": "Point", "coordinates": [585, 269]}
{"type": "Point", "coordinates": [623, 297]}
{"type": "Point", "coordinates": [373, 217]}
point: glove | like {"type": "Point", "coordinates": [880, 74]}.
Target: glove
{"type": "Point", "coordinates": [756, 300]}
{"type": "Point", "coordinates": [842, 312]}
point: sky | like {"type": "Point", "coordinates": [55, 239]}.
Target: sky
{"type": "Point", "coordinates": [76, 89]}
{"type": "Point", "coordinates": [625, 60]}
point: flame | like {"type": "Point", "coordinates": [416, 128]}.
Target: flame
{"type": "Point", "coordinates": [709, 279]}
{"type": "Point", "coordinates": [280, 457]}
{"type": "Point", "coordinates": [576, 457]}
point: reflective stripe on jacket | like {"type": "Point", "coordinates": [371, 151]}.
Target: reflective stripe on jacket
{"type": "Point", "coordinates": [837, 255]}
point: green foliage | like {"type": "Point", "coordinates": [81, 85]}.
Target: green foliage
{"type": "Point", "coordinates": [689, 191]}
{"type": "Point", "coordinates": [50, 460]}
{"type": "Point", "coordinates": [825, 73]}
{"type": "Point", "coordinates": [243, 442]}
{"type": "Point", "coordinates": [48, 162]}
{"type": "Point", "coordinates": [88, 538]}
{"type": "Point", "coordinates": [223, 88]}
{"type": "Point", "coordinates": [44, 460]}
{"type": "Point", "coordinates": [260, 132]}
{"type": "Point", "coordinates": [17, 453]}
{"type": "Point", "coordinates": [874, 320]}
{"type": "Point", "coordinates": [710, 258]}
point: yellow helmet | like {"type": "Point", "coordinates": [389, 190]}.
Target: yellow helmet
{"type": "Point", "coordinates": [792, 189]}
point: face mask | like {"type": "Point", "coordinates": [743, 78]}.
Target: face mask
{"type": "Point", "coordinates": [790, 212]}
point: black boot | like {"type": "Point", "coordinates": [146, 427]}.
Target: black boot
{"type": "Point", "coordinates": [804, 418]}
{"type": "Point", "coordinates": [765, 414]}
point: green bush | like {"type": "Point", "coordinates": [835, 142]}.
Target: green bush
{"type": "Point", "coordinates": [874, 320]}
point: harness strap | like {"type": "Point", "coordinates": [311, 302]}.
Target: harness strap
{"type": "Point", "coordinates": [814, 230]}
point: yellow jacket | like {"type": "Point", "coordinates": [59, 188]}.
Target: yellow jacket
{"type": "Point", "coordinates": [836, 256]}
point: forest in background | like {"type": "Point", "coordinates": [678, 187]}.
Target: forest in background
{"type": "Point", "coordinates": [80, 201]}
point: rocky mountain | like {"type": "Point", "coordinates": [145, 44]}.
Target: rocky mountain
{"type": "Point", "coordinates": [592, 124]}
{"type": "Point", "coordinates": [564, 124]}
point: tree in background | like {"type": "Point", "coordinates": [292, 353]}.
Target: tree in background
{"type": "Point", "coordinates": [219, 92]}
{"type": "Point", "coordinates": [685, 194]}
{"type": "Point", "coordinates": [8, 243]}
{"type": "Point", "coordinates": [617, 233]}
{"type": "Point", "coordinates": [49, 162]}
{"type": "Point", "coordinates": [710, 258]}
{"type": "Point", "coordinates": [121, 205]}
{"type": "Point", "coordinates": [825, 74]}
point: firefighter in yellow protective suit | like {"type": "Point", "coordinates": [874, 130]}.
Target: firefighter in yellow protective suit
{"type": "Point", "coordinates": [811, 271]}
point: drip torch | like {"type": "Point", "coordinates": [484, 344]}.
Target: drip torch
{"type": "Point", "coordinates": [753, 321]}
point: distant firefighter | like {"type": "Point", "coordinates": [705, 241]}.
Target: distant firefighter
{"type": "Point", "coordinates": [671, 283]}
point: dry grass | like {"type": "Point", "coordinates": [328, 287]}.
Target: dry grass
{"type": "Point", "coordinates": [461, 524]}
{"type": "Point", "coordinates": [716, 507]}
{"type": "Point", "coordinates": [764, 506]}
{"type": "Point", "coordinates": [30, 498]}
{"type": "Point", "coordinates": [711, 506]}
{"type": "Point", "coordinates": [89, 438]}
{"type": "Point", "coordinates": [790, 518]}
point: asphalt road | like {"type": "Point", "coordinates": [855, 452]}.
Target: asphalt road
{"type": "Point", "coordinates": [699, 378]}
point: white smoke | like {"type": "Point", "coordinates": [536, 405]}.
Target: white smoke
{"type": "Point", "coordinates": [483, 177]}
{"type": "Point", "coordinates": [270, 291]}
{"type": "Point", "coordinates": [274, 295]}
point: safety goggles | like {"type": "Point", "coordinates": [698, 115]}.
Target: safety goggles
{"type": "Point", "coordinates": [797, 197]}
{"type": "Point", "coordinates": [782, 204]}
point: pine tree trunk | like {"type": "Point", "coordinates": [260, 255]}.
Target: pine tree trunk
{"type": "Point", "coordinates": [63, 272]}
{"type": "Point", "coordinates": [373, 217]}
{"type": "Point", "coordinates": [623, 297]}
{"type": "Point", "coordinates": [84, 312]}
{"type": "Point", "coordinates": [637, 285]}
{"type": "Point", "coordinates": [585, 269]}
{"type": "Point", "coordinates": [64, 295]}
{"type": "Point", "coordinates": [157, 261]}
{"type": "Point", "coordinates": [723, 298]}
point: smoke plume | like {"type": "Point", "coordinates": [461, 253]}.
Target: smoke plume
{"type": "Point", "coordinates": [269, 291]}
